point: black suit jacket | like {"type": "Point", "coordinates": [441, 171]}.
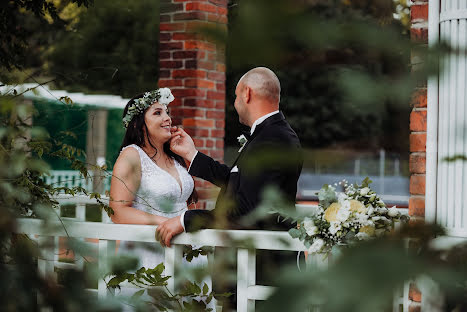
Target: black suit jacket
{"type": "Point", "coordinates": [272, 156]}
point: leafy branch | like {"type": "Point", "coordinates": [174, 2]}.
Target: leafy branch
{"type": "Point", "coordinates": [192, 296]}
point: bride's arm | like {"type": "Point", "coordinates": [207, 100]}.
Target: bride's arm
{"type": "Point", "coordinates": [126, 178]}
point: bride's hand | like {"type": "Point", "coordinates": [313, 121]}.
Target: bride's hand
{"type": "Point", "coordinates": [182, 144]}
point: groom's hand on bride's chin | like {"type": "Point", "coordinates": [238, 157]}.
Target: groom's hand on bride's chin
{"type": "Point", "coordinates": [167, 230]}
{"type": "Point", "coordinates": [182, 144]}
{"type": "Point", "coordinates": [173, 129]}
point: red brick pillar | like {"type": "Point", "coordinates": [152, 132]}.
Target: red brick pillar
{"type": "Point", "coordinates": [418, 116]}
{"type": "Point", "coordinates": [418, 120]}
{"type": "Point", "coordinates": [193, 67]}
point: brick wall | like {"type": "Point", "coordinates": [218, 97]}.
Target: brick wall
{"type": "Point", "coordinates": [418, 116]}
{"type": "Point", "coordinates": [193, 67]}
{"type": "Point", "coordinates": [418, 119]}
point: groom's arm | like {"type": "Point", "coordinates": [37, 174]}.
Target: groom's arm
{"type": "Point", "coordinates": [202, 166]}
{"type": "Point", "coordinates": [265, 165]}
{"type": "Point", "coordinates": [208, 169]}
{"type": "Point", "coordinates": [197, 219]}
{"type": "Point", "coordinates": [233, 207]}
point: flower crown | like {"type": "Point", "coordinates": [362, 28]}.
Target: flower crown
{"type": "Point", "coordinates": [162, 96]}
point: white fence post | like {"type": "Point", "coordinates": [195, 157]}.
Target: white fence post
{"type": "Point", "coordinates": [173, 255]}
{"type": "Point", "coordinates": [242, 279]}
{"type": "Point", "coordinates": [382, 163]}
{"type": "Point", "coordinates": [251, 276]}
{"type": "Point", "coordinates": [45, 263]}
{"type": "Point", "coordinates": [246, 277]}
{"type": "Point", "coordinates": [106, 248]}
{"type": "Point", "coordinates": [80, 215]}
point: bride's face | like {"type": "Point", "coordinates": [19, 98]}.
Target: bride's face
{"type": "Point", "coordinates": [158, 122]}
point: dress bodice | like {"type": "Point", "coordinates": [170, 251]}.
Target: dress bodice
{"type": "Point", "coordinates": [159, 192]}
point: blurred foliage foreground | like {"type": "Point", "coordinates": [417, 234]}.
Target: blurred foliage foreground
{"type": "Point", "coordinates": [378, 267]}
{"type": "Point", "coordinates": [362, 278]}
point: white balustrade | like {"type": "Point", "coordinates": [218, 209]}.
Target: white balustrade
{"type": "Point", "coordinates": [73, 178]}
{"type": "Point", "coordinates": [108, 234]}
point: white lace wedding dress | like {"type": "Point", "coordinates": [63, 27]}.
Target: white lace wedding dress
{"type": "Point", "coordinates": [160, 194]}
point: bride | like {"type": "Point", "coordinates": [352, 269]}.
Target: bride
{"type": "Point", "coordinates": [150, 183]}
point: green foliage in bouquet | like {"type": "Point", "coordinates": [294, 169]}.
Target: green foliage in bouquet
{"type": "Point", "coordinates": [345, 218]}
{"type": "Point", "coordinates": [327, 196]}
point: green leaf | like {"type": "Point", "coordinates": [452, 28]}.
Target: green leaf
{"type": "Point", "coordinates": [326, 196]}
{"type": "Point", "coordinates": [226, 294]}
{"type": "Point", "coordinates": [115, 281]}
{"type": "Point", "coordinates": [187, 305]}
{"type": "Point", "coordinates": [137, 294]}
{"type": "Point", "coordinates": [366, 182]}
{"type": "Point", "coordinates": [205, 289]}
{"type": "Point", "coordinates": [192, 288]}
{"type": "Point", "coordinates": [295, 233]}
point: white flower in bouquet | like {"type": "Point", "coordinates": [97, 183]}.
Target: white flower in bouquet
{"type": "Point", "coordinates": [369, 223]}
{"type": "Point", "coordinates": [381, 218]}
{"type": "Point", "coordinates": [393, 212]}
{"type": "Point", "coordinates": [317, 245]}
{"type": "Point", "coordinates": [335, 227]}
{"type": "Point", "coordinates": [364, 191]}
{"type": "Point", "coordinates": [357, 206]}
{"type": "Point", "coordinates": [346, 204]}
{"type": "Point", "coordinates": [362, 236]}
{"type": "Point", "coordinates": [310, 227]}
{"type": "Point", "coordinates": [368, 230]}
{"type": "Point", "coordinates": [361, 218]}
{"type": "Point", "coordinates": [330, 214]}
{"type": "Point", "coordinates": [341, 198]}
{"type": "Point", "coordinates": [343, 214]}
{"type": "Point", "coordinates": [382, 210]}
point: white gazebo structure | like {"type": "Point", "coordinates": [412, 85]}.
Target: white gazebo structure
{"type": "Point", "coordinates": [446, 181]}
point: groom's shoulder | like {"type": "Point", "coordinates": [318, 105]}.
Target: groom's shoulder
{"type": "Point", "coordinates": [280, 132]}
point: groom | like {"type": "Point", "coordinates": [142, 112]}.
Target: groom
{"type": "Point", "coordinates": [271, 157]}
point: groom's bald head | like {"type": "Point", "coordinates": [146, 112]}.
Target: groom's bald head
{"type": "Point", "coordinates": [264, 84]}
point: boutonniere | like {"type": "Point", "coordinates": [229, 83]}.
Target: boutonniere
{"type": "Point", "coordinates": [242, 140]}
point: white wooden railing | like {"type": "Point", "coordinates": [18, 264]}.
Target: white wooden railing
{"type": "Point", "coordinates": [73, 178]}
{"type": "Point", "coordinates": [108, 234]}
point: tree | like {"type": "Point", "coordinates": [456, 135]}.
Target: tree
{"type": "Point", "coordinates": [335, 65]}
{"type": "Point", "coordinates": [113, 50]}
{"type": "Point", "coordinates": [21, 20]}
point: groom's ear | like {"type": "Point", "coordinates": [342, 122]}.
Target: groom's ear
{"type": "Point", "coordinates": [247, 94]}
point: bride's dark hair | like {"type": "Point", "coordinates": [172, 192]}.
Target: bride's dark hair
{"type": "Point", "coordinates": [135, 133]}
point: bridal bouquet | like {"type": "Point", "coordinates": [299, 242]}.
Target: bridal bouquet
{"type": "Point", "coordinates": [346, 217]}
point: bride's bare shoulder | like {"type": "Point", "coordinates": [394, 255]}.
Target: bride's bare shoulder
{"type": "Point", "coordinates": [128, 158]}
